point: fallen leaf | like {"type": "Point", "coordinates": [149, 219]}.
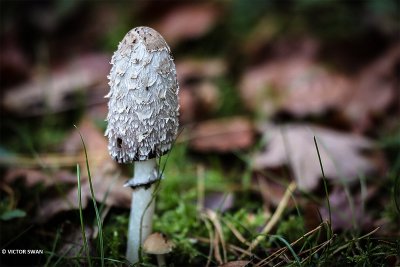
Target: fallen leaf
{"type": "Point", "coordinates": [293, 144]}
{"type": "Point", "coordinates": [187, 22]}
{"type": "Point", "coordinates": [222, 135]}
{"type": "Point", "coordinates": [56, 92]}
{"type": "Point", "coordinates": [295, 84]}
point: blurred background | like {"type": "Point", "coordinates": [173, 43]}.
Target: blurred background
{"type": "Point", "coordinates": [258, 80]}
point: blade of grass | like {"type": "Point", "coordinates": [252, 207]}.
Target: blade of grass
{"type": "Point", "coordinates": [396, 192]}
{"type": "Point", "coordinates": [85, 244]}
{"type": "Point", "coordinates": [53, 249]}
{"type": "Point", "coordinates": [325, 186]}
{"type": "Point", "coordinates": [296, 258]}
{"type": "Point", "coordinates": [19, 235]}
{"type": "Point", "coordinates": [98, 218]}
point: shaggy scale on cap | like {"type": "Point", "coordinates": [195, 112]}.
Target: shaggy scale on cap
{"type": "Point", "coordinates": [143, 98]}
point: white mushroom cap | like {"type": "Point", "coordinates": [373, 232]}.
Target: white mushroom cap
{"type": "Point", "coordinates": [143, 98]}
{"type": "Point", "coordinates": [157, 243]}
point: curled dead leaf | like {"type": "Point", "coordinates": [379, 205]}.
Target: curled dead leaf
{"type": "Point", "coordinates": [222, 135]}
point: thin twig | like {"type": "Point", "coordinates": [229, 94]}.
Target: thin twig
{"type": "Point", "coordinates": [219, 236]}
{"type": "Point", "coordinates": [280, 251]}
{"type": "Point", "coordinates": [230, 247]}
{"type": "Point", "coordinates": [211, 236]}
{"type": "Point", "coordinates": [236, 232]}
{"type": "Point", "coordinates": [200, 188]}
{"type": "Point", "coordinates": [275, 217]}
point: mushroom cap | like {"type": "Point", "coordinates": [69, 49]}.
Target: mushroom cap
{"type": "Point", "coordinates": [143, 98]}
{"type": "Point", "coordinates": [157, 243]}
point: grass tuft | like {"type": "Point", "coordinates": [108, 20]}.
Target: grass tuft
{"type": "Point", "coordinates": [85, 244]}
{"type": "Point", "coordinates": [325, 185]}
{"type": "Point", "coordinates": [98, 218]}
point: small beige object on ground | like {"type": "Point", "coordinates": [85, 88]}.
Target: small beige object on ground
{"type": "Point", "coordinates": [159, 245]}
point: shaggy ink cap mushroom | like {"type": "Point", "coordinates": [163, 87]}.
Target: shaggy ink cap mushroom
{"type": "Point", "coordinates": [143, 102]}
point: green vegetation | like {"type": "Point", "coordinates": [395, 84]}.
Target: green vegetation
{"type": "Point", "coordinates": [210, 205]}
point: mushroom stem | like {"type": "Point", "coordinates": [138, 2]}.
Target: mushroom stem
{"type": "Point", "coordinates": [161, 260]}
{"type": "Point", "coordinates": [140, 220]}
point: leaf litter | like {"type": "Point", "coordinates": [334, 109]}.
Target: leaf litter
{"type": "Point", "coordinates": [299, 84]}
{"type": "Point", "coordinates": [106, 176]}
{"type": "Point", "coordinates": [222, 135]}
{"type": "Point", "coordinates": [293, 145]}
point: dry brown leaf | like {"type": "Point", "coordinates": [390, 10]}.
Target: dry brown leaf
{"type": "Point", "coordinates": [54, 92]}
{"type": "Point", "coordinates": [295, 84]}
{"type": "Point", "coordinates": [187, 22]}
{"type": "Point", "coordinates": [294, 145]}
{"type": "Point", "coordinates": [222, 135]}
